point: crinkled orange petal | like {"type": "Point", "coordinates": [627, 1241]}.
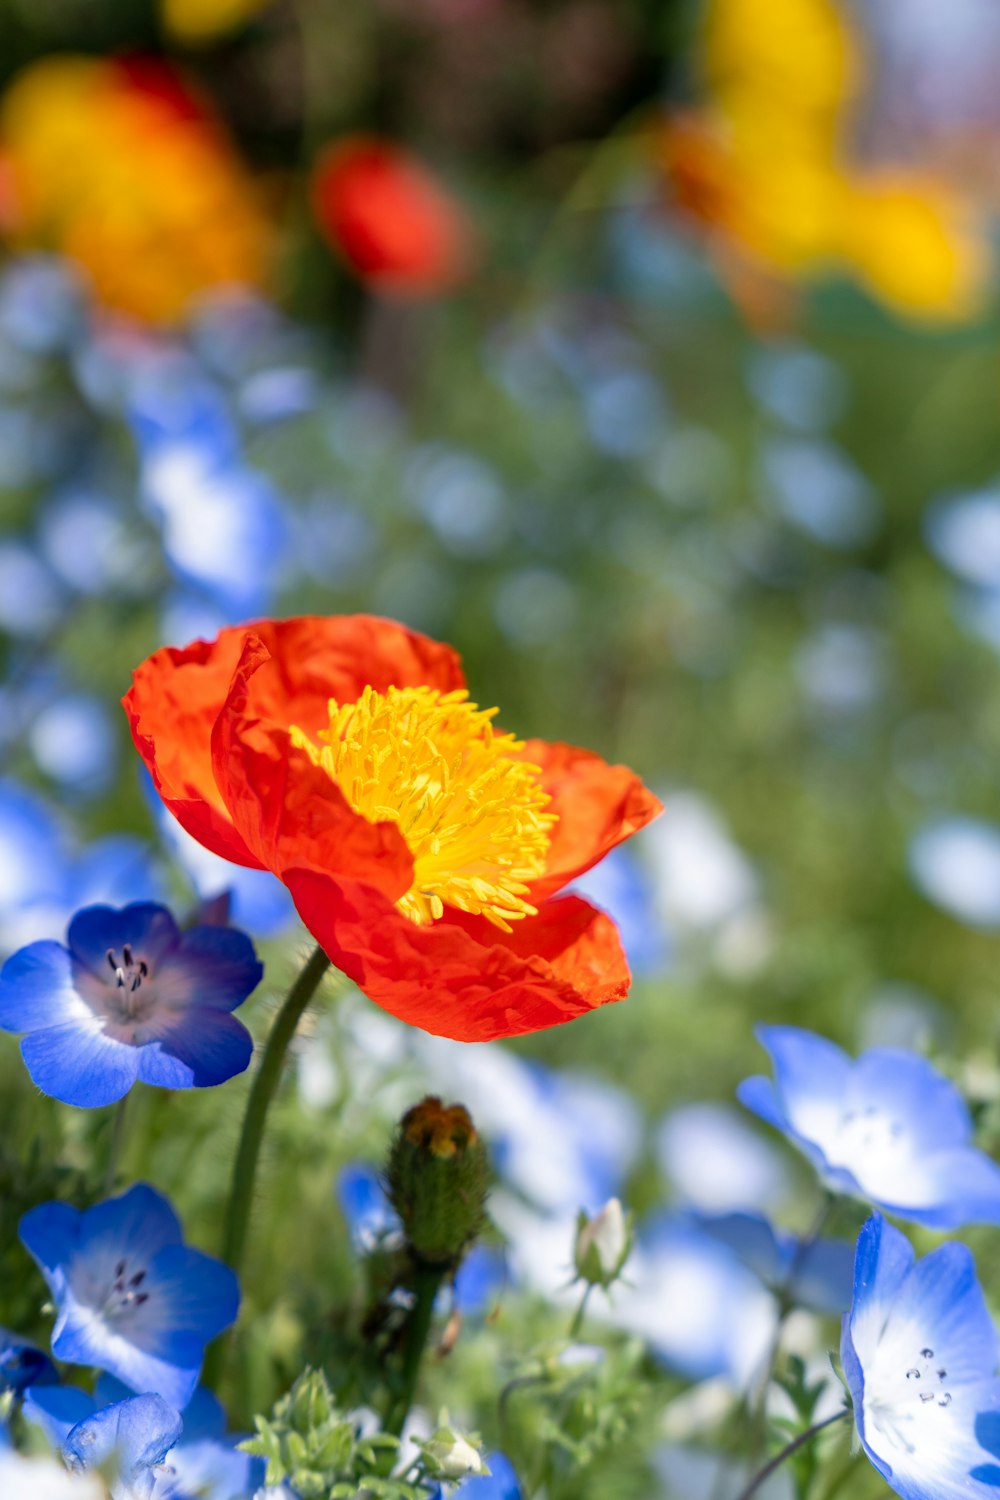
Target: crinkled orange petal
{"type": "Point", "coordinates": [287, 810]}
{"type": "Point", "coordinates": [597, 805]}
{"type": "Point", "coordinates": [172, 705]}
{"type": "Point", "coordinates": [459, 977]}
{"type": "Point", "coordinates": [177, 694]}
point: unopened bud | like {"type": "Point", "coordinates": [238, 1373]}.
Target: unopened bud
{"type": "Point", "coordinates": [602, 1244]}
{"type": "Point", "coordinates": [437, 1178]}
{"type": "Point", "coordinates": [449, 1455]}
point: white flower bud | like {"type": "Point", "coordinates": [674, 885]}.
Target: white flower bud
{"type": "Point", "coordinates": [602, 1244]}
{"type": "Point", "coordinates": [451, 1456]}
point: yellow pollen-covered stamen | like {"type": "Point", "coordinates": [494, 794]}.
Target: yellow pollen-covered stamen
{"type": "Point", "coordinates": [472, 815]}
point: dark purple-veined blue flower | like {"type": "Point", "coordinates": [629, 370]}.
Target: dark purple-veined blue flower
{"type": "Point", "coordinates": [131, 1298]}
{"type": "Point", "coordinates": [129, 998]}
{"type": "Point", "coordinates": [919, 1353]}
{"type": "Point", "coordinates": [130, 1439]}
{"type": "Point", "coordinates": [886, 1127]}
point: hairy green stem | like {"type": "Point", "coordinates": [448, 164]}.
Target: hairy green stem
{"type": "Point", "coordinates": [262, 1091]}
{"type": "Point", "coordinates": [426, 1284]}
{"type": "Point", "coordinates": [786, 1452]}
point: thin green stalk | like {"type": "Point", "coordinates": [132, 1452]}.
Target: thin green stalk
{"type": "Point", "coordinates": [577, 1323]}
{"type": "Point", "coordinates": [262, 1091]}
{"type": "Point", "coordinates": [427, 1283]}
{"type": "Point", "coordinates": [786, 1453]}
{"type": "Point", "coordinates": [115, 1144]}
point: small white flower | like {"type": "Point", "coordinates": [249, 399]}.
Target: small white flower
{"type": "Point", "coordinates": [449, 1455]}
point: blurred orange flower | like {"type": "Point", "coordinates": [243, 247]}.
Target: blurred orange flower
{"type": "Point", "coordinates": [394, 224]}
{"type": "Point", "coordinates": [424, 849]}
{"type": "Point", "coordinates": [765, 166]}
{"type": "Point", "coordinates": [198, 21]}
{"type": "Point", "coordinates": [118, 165]}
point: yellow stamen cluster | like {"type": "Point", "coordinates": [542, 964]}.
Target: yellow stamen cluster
{"type": "Point", "coordinates": [472, 816]}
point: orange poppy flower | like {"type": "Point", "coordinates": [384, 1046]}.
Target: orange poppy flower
{"type": "Point", "coordinates": [389, 218]}
{"type": "Point", "coordinates": [423, 847]}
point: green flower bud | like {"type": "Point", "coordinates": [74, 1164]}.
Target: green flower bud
{"type": "Point", "coordinates": [437, 1178]}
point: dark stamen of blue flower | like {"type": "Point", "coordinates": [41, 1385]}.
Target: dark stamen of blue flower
{"type": "Point", "coordinates": [128, 972]}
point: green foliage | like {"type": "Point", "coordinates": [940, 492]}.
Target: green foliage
{"type": "Point", "coordinates": [314, 1446]}
{"type": "Point", "coordinates": [568, 1409]}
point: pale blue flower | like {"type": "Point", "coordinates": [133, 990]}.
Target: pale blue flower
{"type": "Point", "coordinates": [920, 1353]}
{"type": "Point", "coordinates": [887, 1127]}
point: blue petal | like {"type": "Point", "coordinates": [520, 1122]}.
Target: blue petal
{"type": "Point", "coordinates": [78, 1064]}
{"type": "Point", "coordinates": [758, 1094]}
{"type": "Point", "coordinates": [50, 1233]}
{"type": "Point", "coordinates": [222, 963]}
{"type": "Point", "coordinates": [479, 1279]}
{"type": "Point", "coordinates": [215, 1469]}
{"type": "Point", "coordinates": [138, 1433]}
{"type": "Point", "coordinates": [139, 1222]}
{"type": "Point", "coordinates": [905, 1086]}
{"type": "Point", "coordinates": [23, 1364]}
{"type": "Point", "coordinates": [364, 1203]}
{"type": "Point", "coordinates": [37, 989]}
{"type": "Point", "coordinates": [202, 1295]}
{"type": "Point", "coordinates": [809, 1071]}
{"type": "Point", "coordinates": [753, 1239]}
{"type": "Point", "coordinates": [968, 1191]}
{"type": "Point", "coordinates": [942, 1296]}
{"type": "Point", "coordinates": [821, 1274]}
{"type": "Point", "coordinates": [148, 929]}
{"type": "Point", "coordinates": [57, 1409]}
{"type": "Point", "coordinates": [883, 1260]}
{"type": "Point", "coordinates": [203, 1047]}
{"type": "Point", "coordinates": [500, 1484]}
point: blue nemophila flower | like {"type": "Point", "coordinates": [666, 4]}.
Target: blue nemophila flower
{"type": "Point", "coordinates": [23, 1364]}
{"type": "Point", "coordinates": [131, 997]}
{"type": "Point", "coordinates": [920, 1353]}
{"type": "Point", "coordinates": [886, 1127]}
{"type": "Point", "coordinates": [813, 1273]}
{"type": "Point", "coordinates": [131, 1297]}
{"type": "Point", "coordinates": [131, 1438]}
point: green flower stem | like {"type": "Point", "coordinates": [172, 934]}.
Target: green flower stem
{"type": "Point", "coordinates": [262, 1091]}
{"type": "Point", "coordinates": [115, 1144]}
{"type": "Point", "coordinates": [426, 1284]}
{"type": "Point", "coordinates": [577, 1323]}
{"type": "Point", "coordinates": [786, 1452]}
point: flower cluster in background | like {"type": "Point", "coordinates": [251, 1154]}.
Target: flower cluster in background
{"type": "Point", "coordinates": [647, 356]}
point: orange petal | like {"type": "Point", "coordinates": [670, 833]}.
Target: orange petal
{"type": "Point", "coordinates": [598, 806]}
{"type": "Point", "coordinates": [172, 705]}
{"type": "Point", "coordinates": [289, 811]}
{"type": "Point", "coordinates": [459, 977]}
{"type": "Point", "coordinates": [177, 695]}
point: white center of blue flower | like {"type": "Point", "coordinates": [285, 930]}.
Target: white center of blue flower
{"type": "Point", "coordinates": [901, 1400]}
{"type": "Point", "coordinates": [867, 1133]}
{"type": "Point", "coordinates": [125, 996]}
{"type": "Point", "coordinates": [127, 1291]}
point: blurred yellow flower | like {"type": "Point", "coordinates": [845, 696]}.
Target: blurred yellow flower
{"type": "Point", "coordinates": [197, 21]}
{"type": "Point", "coordinates": [117, 165]}
{"type": "Point", "coordinates": [765, 166]}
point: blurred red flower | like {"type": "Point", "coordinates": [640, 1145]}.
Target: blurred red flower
{"type": "Point", "coordinates": [390, 219]}
{"type": "Point", "coordinates": [424, 849]}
